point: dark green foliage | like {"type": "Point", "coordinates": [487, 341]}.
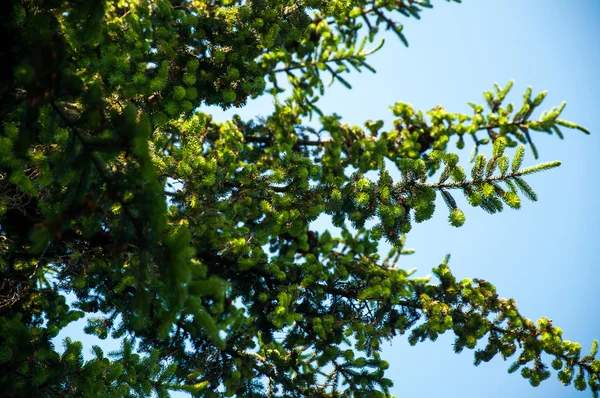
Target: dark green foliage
{"type": "Point", "coordinates": [191, 240]}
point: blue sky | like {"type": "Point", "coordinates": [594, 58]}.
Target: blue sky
{"type": "Point", "coordinates": [544, 255]}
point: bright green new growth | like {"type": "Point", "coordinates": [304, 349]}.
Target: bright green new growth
{"type": "Point", "coordinates": [191, 240]}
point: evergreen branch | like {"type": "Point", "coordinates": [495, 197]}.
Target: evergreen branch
{"type": "Point", "coordinates": [474, 311]}
{"type": "Point", "coordinates": [391, 25]}
{"type": "Point", "coordinates": [305, 66]}
{"type": "Point", "coordinates": [513, 175]}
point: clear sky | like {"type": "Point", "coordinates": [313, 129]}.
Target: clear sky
{"type": "Point", "coordinates": [544, 255]}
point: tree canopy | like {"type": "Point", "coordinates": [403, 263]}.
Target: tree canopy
{"type": "Point", "coordinates": [192, 241]}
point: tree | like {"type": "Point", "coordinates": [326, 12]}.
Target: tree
{"type": "Point", "coordinates": [191, 240]}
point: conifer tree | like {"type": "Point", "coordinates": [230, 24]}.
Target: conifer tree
{"type": "Point", "coordinates": [191, 240]}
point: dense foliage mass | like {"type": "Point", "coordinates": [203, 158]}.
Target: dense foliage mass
{"type": "Point", "coordinates": [191, 240]}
